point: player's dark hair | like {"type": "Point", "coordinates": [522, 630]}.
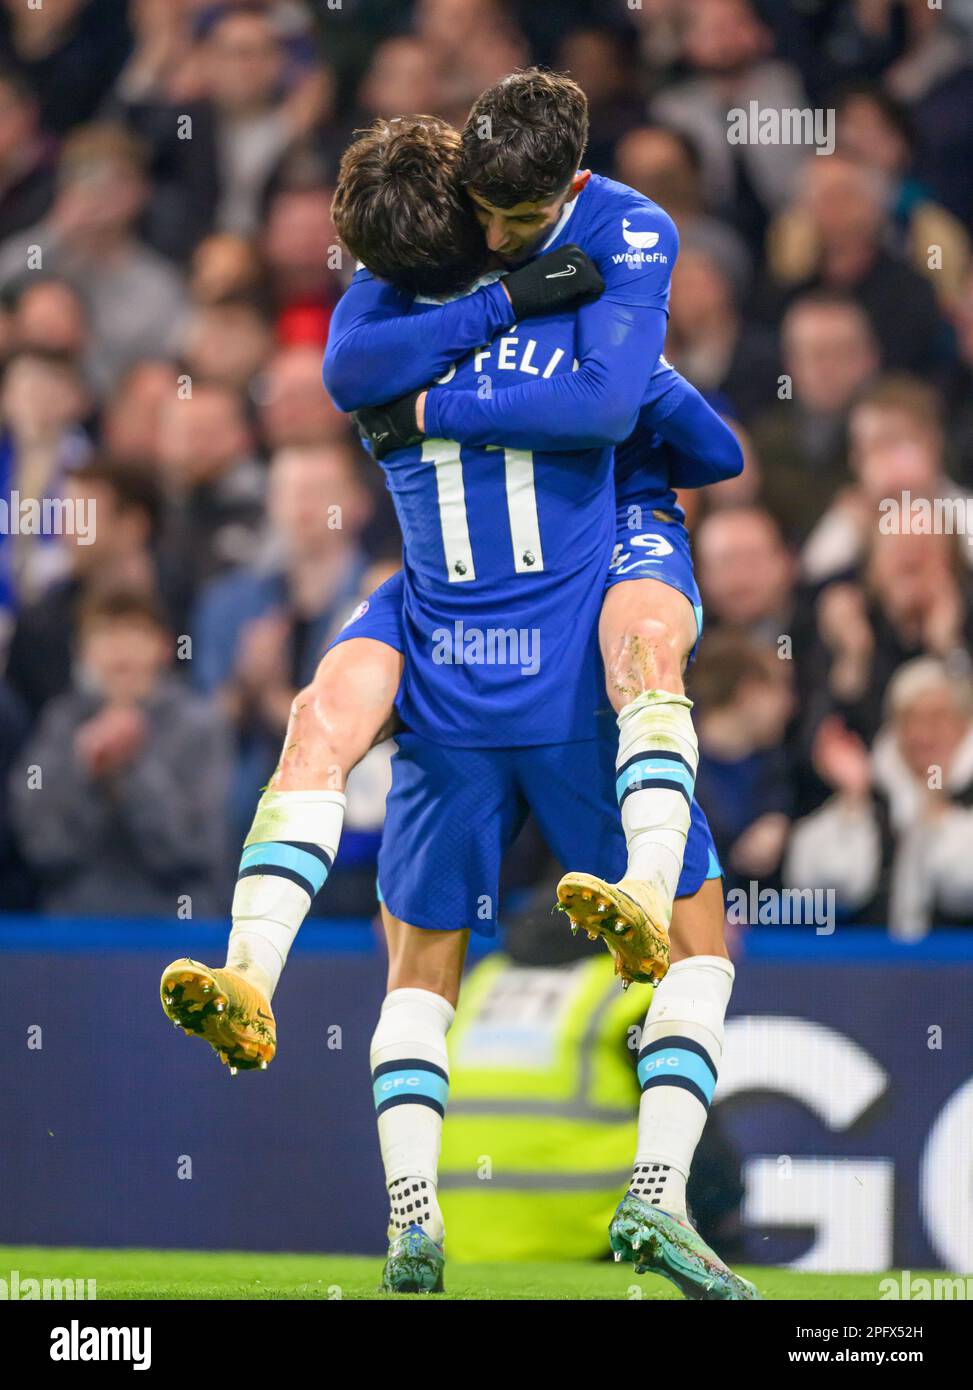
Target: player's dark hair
{"type": "Point", "coordinates": [400, 209]}
{"type": "Point", "coordinates": [524, 138]}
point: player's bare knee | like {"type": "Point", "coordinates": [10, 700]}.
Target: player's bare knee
{"type": "Point", "coordinates": [338, 724]}
{"type": "Point", "coordinates": [650, 655]}
{"type": "Point", "coordinates": [319, 746]}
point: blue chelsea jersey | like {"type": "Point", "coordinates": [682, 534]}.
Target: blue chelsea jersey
{"type": "Point", "coordinates": [633, 242]}
{"type": "Point", "coordinates": [505, 556]}
{"type": "Point", "coordinates": [643, 462]}
{"type": "Point", "coordinates": [507, 546]}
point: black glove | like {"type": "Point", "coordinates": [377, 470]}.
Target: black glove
{"type": "Point", "coordinates": [552, 282]}
{"type": "Point", "coordinates": [390, 426]}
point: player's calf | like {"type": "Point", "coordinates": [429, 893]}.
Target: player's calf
{"type": "Point", "coordinates": [294, 838]}
{"type": "Point", "coordinates": [290, 849]}
{"type": "Point", "coordinates": [647, 632]}
{"type": "Point", "coordinates": [410, 1084]}
{"type": "Point", "coordinates": [678, 1064]}
{"type": "Point", "coordinates": [679, 1057]}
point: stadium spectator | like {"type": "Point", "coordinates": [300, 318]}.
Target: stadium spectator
{"type": "Point", "coordinates": [131, 422]}
{"type": "Point", "coordinates": [600, 59]}
{"type": "Point", "coordinates": [6, 325]}
{"type": "Point", "coordinates": [50, 315]}
{"type": "Point", "coordinates": [124, 503]}
{"type": "Point", "coordinates": [474, 44]}
{"type": "Point", "coordinates": [746, 573]}
{"type": "Point", "coordinates": [175, 125]}
{"type": "Point", "coordinates": [218, 101]}
{"type": "Point", "coordinates": [748, 579]}
{"type": "Point", "coordinates": [711, 342]}
{"type": "Point", "coordinates": [958, 391]}
{"type": "Point", "coordinates": [896, 453]}
{"type": "Point", "coordinates": [260, 631]}
{"type": "Point", "coordinates": [118, 798]}
{"type": "Point", "coordinates": [227, 343]}
{"type": "Point", "coordinates": [42, 404]}
{"type": "Point", "coordinates": [294, 407]}
{"type": "Point", "coordinates": [665, 166]}
{"type": "Point", "coordinates": [729, 51]}
{"type": "Point", "coordinates": [893, 841]}
{"type": "Point", "coordinates": [135, 299]}
{"type": "Point", "coordinates": [215, 490]}
{"type": "Point", "coordinates": [660, 25]}
{"type": "Point", "coordinates": [301, 253]}
{"type": "Point", "coordinates": [403, 76]}
{"type": "Point", "coordinates": [829, 354]}
{"type": "Point", "coordinates": [70, 52]}
{"type": "Point", "coordinates": [833, 236]}
{"type": "Point", "coordinates": [744, 700]}
{"type": "Point", "coordinates": [226, 266]}
{"type": "Point", "coordinates": [17, 891]}
{"type": "Point", "coordinates": [256, 119]}
{"type": "Point", "coordinates": [934, 78]}
{"type": "Point", "coordinates": [26, 157]}
{"type": "Point", "coordinates": [916, 599]}
{"type": "Point", "coordinates": [875, 129]}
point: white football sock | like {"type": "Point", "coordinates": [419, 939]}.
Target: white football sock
{"type": "Point", "coordinates": [286, 858]}
{"type": "Point", "coordinates": [410, 1078]}
{"type": "Point", "coordinates": [682, 1044]}
{"type": "Point", "coordinates": [656, 767]}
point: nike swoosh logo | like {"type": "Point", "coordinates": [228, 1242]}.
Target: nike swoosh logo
{"type": "Point", "coordinates": [561, 274]}
{"type": "Point", "coordinates": [379, 437]}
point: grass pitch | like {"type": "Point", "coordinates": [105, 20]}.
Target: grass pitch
{"type": "Point", "coordinates": [182, 1274]}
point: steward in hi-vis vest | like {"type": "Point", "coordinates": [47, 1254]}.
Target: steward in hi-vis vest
{"type": "Point", "coordinates": [543, 1109]}
{"type": "Point", "coordinates": [542, 1122]}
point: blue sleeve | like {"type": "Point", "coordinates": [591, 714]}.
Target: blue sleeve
{"type": "Point", "coordinates": [620, 337]}
{"type": "Point", "coordinates": [596, 405]}
{"type": "Point", "coordinates": [381, 343]}
{"type": "Point", "coordinates": [703, 448]}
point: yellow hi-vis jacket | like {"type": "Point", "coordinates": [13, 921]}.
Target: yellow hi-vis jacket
{"type": "Point", "coordinates": [541, 1123]}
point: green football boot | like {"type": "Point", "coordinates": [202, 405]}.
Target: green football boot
{"type": "Point", "coordinates": [415, 1263]}
{"type": "Point", "coordinates": [658, 1243]}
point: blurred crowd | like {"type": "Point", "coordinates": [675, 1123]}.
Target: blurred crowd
{"type": "Point", "coordinates": [168, 268]}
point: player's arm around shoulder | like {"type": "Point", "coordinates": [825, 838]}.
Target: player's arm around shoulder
{"type": "Point", "coordinates": [704, 448]}
{"type": "Point", "coordinates": [634, 243]}
{"type": "Point", "coordinates": [383, 343]}
{"type": "Point", "coordinates": [356, 338]}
